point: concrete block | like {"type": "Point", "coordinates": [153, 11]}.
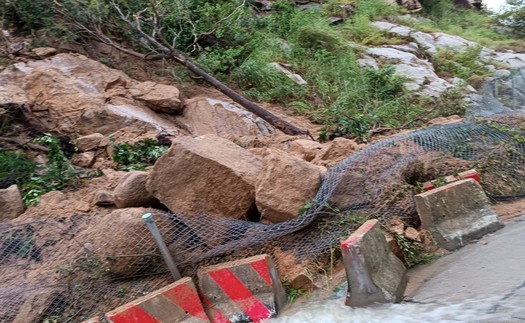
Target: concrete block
{"type": "Point", "coordinates": [247, 290]}
{"type": "Point", "coordinates": [457, 213]}
{"type": "Point", "coordinates": [177, 302]}
{"type": "Point", "coordinates": [374, 273]}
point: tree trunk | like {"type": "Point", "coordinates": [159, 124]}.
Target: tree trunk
{"type": "Point", "coordinates": [247, 104]}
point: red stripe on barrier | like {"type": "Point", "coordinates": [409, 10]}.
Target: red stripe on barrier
{"type": "Point", "coordinates": [261, 267]}
{"type": "Point", "coordinates": [187, 299]}
{"type": "Point", "coordinates": [133, 314]}
{"type": "Point", "coordinates": [236, 290]}
{"type": "Point", "coordinates": [216, 316]}
{"type": "Point", "coordinates": [358, 234]}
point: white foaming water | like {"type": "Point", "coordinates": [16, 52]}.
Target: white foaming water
{"type": "Point", "coordinates": [334, 311]}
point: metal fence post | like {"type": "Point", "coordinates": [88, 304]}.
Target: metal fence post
{"type": "Point", "coordinates": [148, 218]}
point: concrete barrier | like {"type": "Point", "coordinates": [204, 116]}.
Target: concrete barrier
{"type": "Point", "coordinates": [247, 290]}
{"type": "Point", "coordinates": [457, 213]}
{"type": "Point", "coordinates": [177, 302]}
{"type": "Point", "coordinates": [374, 273]}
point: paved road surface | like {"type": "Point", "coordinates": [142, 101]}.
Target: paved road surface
{"type": "Point", "coordinates": [487, 278]}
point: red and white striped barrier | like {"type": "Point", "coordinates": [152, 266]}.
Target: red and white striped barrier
{"type": "Point", "coordinates": [374, 273]}
{"type": "Point", "coordinates": [177, 302]}
{"type": "Point", "coordinates": [427, 186]}
{"type": "Point", "coordinates": [247, 290]}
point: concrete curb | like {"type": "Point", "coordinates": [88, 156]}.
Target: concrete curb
{"type": "Point", "coordinates": [177, 302]}
{"type": "Point", "coordinates": [457, 213]}
{"type": "Point", "coordinates": [247, 290]}
{"type": "Point", "coordinates": [374, 273]}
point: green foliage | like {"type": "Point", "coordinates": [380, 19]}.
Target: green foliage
{"type": "Point", "coordinates": [414, 253]}
{"type": "Point", "coordinates": [29, 14]}
{"type": "Point", "coordinates": [33, 179]}
{"type": "Point", "coordinates": [463, 64]}
{"type": "Point", "coordinates": [16, 168]}
{"type": "Point", "coordinates": [139, 155]}
{"type": "Point", "coordinates": [514, 17]}
{"type": "Point", "coordinates": [293, 293]}
{"type": "Point", "coordinates": [471, 24]}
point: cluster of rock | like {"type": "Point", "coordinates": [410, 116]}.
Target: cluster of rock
{"type": "Point", "coordinates": [224, 161]}
{"type": "Point", "coordinates": [413, 60]}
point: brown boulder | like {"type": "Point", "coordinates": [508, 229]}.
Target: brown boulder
{"type": "Point", "coordinates": [131, 191]}
{"type": "Point", "coordinates": [285, 185]}
{"type": "Point", "coordinates": [204, 116]}
{"type": "Point", "coordinates": [10, 203]}
{"type": "Point", "coordinates": [158, 97]}
{"type": "Point", "coordinates": [104, 198]}
{"type": "Point", "coordinates": [207, 174]}
{"type": "Point", "coordinates": [91, 142]}
{"type": "Point", "coordinates": [84, 160]}
{"type": "Point", "coordinates": [305, 148]}
{"type": "Point", "coordinates": [72, 93]}
{"type": "Point", "coordinates": [339, 149]}
{"type": "Point", "coordinates": [122, 240]}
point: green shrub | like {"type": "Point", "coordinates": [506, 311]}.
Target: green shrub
{"type": "Point", "coordinates": [514, 17]}
{"type": "Point", "coordinates": [139, 155]}
{"type": "Point", "coordinates": [32, 179]}
{"type": "Point", "coordinates": [15, 167]}
{"type": "Point", "coordinates": [29, 14]}
{"type": "Point", "coordinates": [463, 64]}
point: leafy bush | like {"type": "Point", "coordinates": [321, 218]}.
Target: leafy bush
{"type": "Point", "coordinates": [29, 14]}
{"type": "Point", "coordinates": [514, 17]}
{"type": "Point", "coordinates": [33, 179]}
{"type": "Point", "coordinates": [138, 156]}
{"type": "Point", "coordinates": [15, 168]}
{"type": "Point", "coordinates": [471, 24]}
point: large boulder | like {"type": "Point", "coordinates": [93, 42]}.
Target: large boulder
{"type": "Point", "coordinates": [10, 203]}
{"type": "Point", "coordinates": [72, 93]}
{"type": "Point", "coordinates": [286, 184]}
{"type": "Point", "coordinates": [204, 116]}
{"type": "Point", "coordinates": [122, 240]}
{"type": "Point", "coordinates": [207, 174]}
{"type": "Point", "coordinates": [131, 191]}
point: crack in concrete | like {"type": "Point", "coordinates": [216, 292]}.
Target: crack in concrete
{"type": "Point", "coordinates": [496, 306]}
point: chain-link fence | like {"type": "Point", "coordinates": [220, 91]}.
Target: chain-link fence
{"type": "Point", "coordinates": [74, 267]}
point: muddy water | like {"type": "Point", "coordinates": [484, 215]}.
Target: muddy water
{"type": "Point", "coordinates": [334, 311]}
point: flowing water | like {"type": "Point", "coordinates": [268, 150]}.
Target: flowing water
{"type": "Point", "coordinates": [334, 311]}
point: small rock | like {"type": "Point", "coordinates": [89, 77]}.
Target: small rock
{"type": "Point", "coordinates": [394, 246]}
{"type": "Point", "coordinates": [412, 234]}
{"type": "Point", "coordinates": [158, 97]}
{"type": "Point", "coordinates": [339, 149]}
{"type": "Point", "coordinates": [104, 198]}
{"type": "Point", "coordinates": [396, 225]}
{"type": "Point", "coordinates": [131, 191]}
{"type": "Point", "coordinates": [91, 142]}
{"type": "Point", "coordinates": [42, 52]}
{"type": "Point", "coordinates": [294, 77]}
{"type": "Point", "coordinates": [84, 160]}
{"type": "Point", "coordinates": [82, 206]}
{"type": "Point", "coordinates": [52, 198]}
{"type": "Point", "coordinates": [11, 204]}
{"type": "Point", "coordinates": [307, 149]}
